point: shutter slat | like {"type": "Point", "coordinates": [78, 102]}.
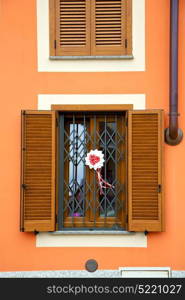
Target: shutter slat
{"type": "Point", "coordinates": [109, 27]}
{"type": "Point", "coordinates": [103, 15]}
{"type": "Point", "coordinates": [145, 137]}
{"type": "Point", "coordinates": [38, 171]}
{"type": "Point", "coordinates": [72, 27]}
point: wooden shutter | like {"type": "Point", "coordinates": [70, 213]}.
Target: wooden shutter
{"type": "Point", "coordinates": [145, 185]}
{"type": "Point", "coordinates": [69, 27]}
{"type": "Point", "coordinates": [110, 27]}
{"type": "Point", "coordinates": [38, 171]}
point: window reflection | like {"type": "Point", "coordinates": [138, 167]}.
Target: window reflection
{"type": "Point", "coordinates": [76, 170]}
{"type": "Point", "coordinates": [108, 147]}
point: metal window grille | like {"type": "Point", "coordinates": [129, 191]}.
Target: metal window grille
{"type": "Point", "coordinates": [80, 204]}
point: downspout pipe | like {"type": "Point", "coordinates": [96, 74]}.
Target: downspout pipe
{"type": "Point", "coordinates": [173, 134]}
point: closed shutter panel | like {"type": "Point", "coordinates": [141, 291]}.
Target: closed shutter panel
{"type": "Point", "coordinates": [110, 27]}
{"type": "Point", "coordinates": [38, 171]}
{"type": "Point", "coordinates": [145, 189]}
{"type": "Point", "coordinates": [72, 27]}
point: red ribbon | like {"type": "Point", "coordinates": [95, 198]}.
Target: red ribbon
{"type": "Point", "coordinates": [101, 181]}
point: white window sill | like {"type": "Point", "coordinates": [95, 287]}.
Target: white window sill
{"type": "Point", "coordinates": [97, 239]}
{"type": "Point", "coordinates": [90, 57]}
{"type": "Point", "coordinates": [93, 232]}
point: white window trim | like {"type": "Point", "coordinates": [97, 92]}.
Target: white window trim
{"type": "Point", "coordinates": [46, 100]}
{"type": "Point", "coordinates": [138, 239]}
{"type": "Point", "coordinates": [108, 65]}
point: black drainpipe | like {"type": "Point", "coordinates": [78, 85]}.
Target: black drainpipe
{"type": "Point", "coordinates": [173, 134]}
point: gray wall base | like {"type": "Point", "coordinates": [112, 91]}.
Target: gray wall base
{"type": "Point", "coordinates": [60, 274]}
{"type": "Point", "coordinates": [73, 274]}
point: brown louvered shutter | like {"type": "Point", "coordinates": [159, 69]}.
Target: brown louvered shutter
{"type": "Point", "coordinates": [110, 27]}
{"type": "Point", "coordinates": [38, 171]}
{"type": "Point", "coordinates": [145, 178]}
{"type": "Point", "coordinates": [72, 27]}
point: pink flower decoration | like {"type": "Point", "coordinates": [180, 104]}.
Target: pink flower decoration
{"type": "Point", "coordinates": [94, 159]}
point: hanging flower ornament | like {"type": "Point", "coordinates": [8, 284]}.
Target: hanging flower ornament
{"type": "Point", "coordinates": [95, 160]}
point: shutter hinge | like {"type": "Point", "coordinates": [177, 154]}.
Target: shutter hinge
{"type": "Point", "coordinates": [126, 43]}
{"type": "Point", "coordinates": [159, 188]}
{"type": "Point", "coordinates": [55, 44]}
{"type": "Point", "coordinates": [24, 186]}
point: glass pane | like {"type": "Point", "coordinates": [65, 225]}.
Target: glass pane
{"type": "Point", "coordinates": [76, 182]}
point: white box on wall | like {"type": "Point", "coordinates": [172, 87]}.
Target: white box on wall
{"type": "Point", "coordinates": [145, 272]}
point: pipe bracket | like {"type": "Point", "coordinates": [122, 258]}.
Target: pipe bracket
{"type": "Point", "coordinates": [176, 114]}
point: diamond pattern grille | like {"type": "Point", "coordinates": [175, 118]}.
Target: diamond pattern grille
{"type": "Point", "coordinates": [81, 192]}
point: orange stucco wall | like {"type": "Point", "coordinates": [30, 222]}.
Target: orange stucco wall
{"type": "Point", "coordinates": [21, 83]}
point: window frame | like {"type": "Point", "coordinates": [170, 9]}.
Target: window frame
{"type": "Point", "coordinates": [91, 219]}
{"type": "Point", "coordinates": [59, 163]}
{"type": "Point", "coordinates": [53, 39]}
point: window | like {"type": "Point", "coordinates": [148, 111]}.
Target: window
{"type": "Point", "coordinates": [83, 204]}
{"type": "Point", "coordinates": [59, 192]}
{"type": "Point", "coordinates": [90, 28]}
